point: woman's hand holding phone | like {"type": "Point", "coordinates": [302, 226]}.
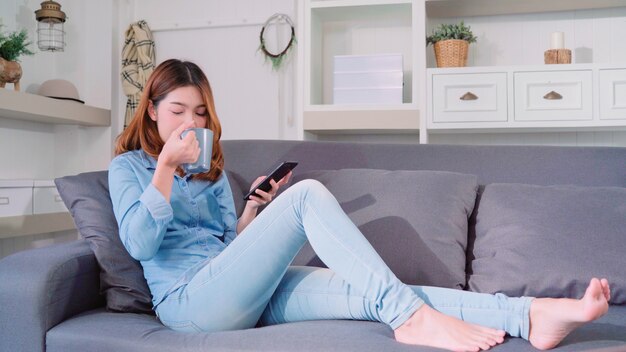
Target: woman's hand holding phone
{"type": "Point", "coordinates": [263, 190]}
{"type": "Point", "coordinates": [260, 197]}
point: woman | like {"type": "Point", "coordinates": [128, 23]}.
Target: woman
{"type": "Point", "coordinates": [209, 271]}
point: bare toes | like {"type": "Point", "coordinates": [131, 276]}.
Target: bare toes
{"type": "Point", "coordinates": [606, 289]}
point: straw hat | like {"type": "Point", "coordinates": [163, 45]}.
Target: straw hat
{"type": "Point", "coordinates": [59, 89]}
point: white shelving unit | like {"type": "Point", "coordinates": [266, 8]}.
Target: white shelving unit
{"type": "Point", "coordinates": [344, 27]}
{"type": "Point", "coordinates": [510, 99]}
{"type": "Point", "coordinates": [30, 107]}
{"type": "Point", "coordinates": [458, 8]}
{"type": "Point", "coordinates": [361, 27]}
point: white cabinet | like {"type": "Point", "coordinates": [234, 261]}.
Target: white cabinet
{"type": "Point", "coordinates": [553, 96]}
{"type": "Point", "coordinates": [469, 97]}
{"type": "Point", "coordinates": [46, 198]}
{"type": "Point", "coordinates": [16, 197]}
{"type": "Point", "coordinates": [527, 98]}
{"type": "Point", "coordinates": [613, 94]}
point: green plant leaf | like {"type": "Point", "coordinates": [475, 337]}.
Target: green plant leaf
{"type": "Point", "coordinates": [451, 31]}
{"type": "Point", "coordinates": [14, 45]}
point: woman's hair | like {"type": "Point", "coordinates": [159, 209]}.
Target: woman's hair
{"type": "Point", "coordinates": [142, 132]}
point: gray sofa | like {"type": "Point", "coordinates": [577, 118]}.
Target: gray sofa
{"type": "Point", "coordinates": [544, 220]}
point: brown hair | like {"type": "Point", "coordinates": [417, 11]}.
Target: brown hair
{"type": "Point", "coordinates": [142, 132]}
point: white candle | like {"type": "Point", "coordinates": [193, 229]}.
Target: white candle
{"type": "Point", "coordinates": [557, 40]}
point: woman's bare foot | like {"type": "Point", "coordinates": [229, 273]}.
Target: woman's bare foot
{"type": "Point", "coordinates": [552, 319]}
{"type": "Point", "coordinates": [431, 328]}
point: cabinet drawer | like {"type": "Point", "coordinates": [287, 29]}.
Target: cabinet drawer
{"type": "Point", "coordinates": [478, 97]}
{"type": "Point", "coordinates": [16, 197]}
{"type": "Point", "coordinates": [612, 95]}
{"type": "Point", "coordinates": [46, 198]}
{"type": "Point", "coordinates": [553, 96]}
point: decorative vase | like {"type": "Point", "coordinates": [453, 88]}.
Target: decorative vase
{"type": "Point", "coordinates": [10, 72]}
{"type": "Point", "coordinates": [451, 53]}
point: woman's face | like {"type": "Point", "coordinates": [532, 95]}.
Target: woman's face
{"type": "Point", "coordinates": [180, 105]}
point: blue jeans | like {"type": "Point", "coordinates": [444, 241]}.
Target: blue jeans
{"type": "Point", "coordinates": [252, 281]}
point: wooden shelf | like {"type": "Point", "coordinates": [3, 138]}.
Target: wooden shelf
{"type": "Point", "coordinates": [334, 119]}
{"type": "Point", "coordinates": [31, 107]}
{"type": "Point", "coordinates": [15, 226]}
{"type": "Point", "coordinates": [468, 8]}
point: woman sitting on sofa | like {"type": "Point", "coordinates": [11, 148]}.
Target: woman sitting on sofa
{"type": "Point", "coordinates": [209, 271]}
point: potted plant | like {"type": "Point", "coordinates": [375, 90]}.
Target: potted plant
{"type": "Point", "coordinates": [451, 43]}
{"type": "Point", "coordinates": [12, 46]}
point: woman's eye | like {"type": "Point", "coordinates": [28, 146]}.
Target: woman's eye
{"type": "Point", "coordinates": [177, 112]}
{"type": "Point", "coordinates": [202, 113]}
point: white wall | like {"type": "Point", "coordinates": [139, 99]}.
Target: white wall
{"type": "Point", "coordinates": [594, 36]}
{"type": "Point", "coordinates": [252, 101]}
{"type": "Point", "coordinates": [47, 151]}
{"type": "Point", "coordinates": [33, 150]}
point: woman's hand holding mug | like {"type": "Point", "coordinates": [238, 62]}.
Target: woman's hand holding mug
{"type": "Point", "coordinates": [177, 150]}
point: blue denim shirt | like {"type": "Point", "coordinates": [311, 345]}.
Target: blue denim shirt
{"type": "Point", "coordinates": [172, 240]}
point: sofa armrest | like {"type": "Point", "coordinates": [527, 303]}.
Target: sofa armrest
{"type": "Point", "coordinates": [42, 287]}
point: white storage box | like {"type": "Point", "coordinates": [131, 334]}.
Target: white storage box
{"type": "Point", "coordinates": [391, 79]}
{"type": "Point", "coordinates": [46, 198]}
{"type": "Point", "coordinates": [16, 197]}
{"type": "Point", "coordinates": [368, 95]}
{"type": "Point", "coordinates": [368, 63]}
{"type": "Point", "coordinates": [368, 79]}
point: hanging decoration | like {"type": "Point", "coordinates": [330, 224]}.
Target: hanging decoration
{"type": "Point", "coordinates": [277, 59]}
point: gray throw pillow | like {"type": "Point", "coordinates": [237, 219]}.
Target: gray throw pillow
{"type": "Point", "coordinates": [549, 241]}
{"type": "Point", "coordinates": [416, 220]}
{"type": "Point", "coordinates": [121, 277]}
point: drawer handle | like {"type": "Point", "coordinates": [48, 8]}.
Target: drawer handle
{"type": "Point", "coordinates": [553, 96]}
{"type": "Point", "coordinates": [4, 200]}
{"type": "Point", "coordinates": [469, 96]}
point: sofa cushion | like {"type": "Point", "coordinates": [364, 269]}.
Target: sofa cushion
{"type": "Point", "coordinates": [416, 220]}
{"type": "Point", "coordinates": [549, 241]}
{"type": "Point", "coordinates": [121, 278]}
{"type": "Point", "coordinates": [136, 333]}
{"type": "Point", "coordinates": [104, 332]}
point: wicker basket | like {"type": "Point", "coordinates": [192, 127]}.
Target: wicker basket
{"type": "Point", "coordinates": [451, 53]}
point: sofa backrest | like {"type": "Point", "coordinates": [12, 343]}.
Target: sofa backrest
{"type": "Point", "coordinates": [530, 165]}
{"type": "Point", "coordinates": [539, 165]}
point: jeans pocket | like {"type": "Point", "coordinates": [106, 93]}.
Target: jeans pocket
{"type": "Point", "coordinates": [181, 325]}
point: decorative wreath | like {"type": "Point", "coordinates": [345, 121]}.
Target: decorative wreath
{"type": "Point", "coordinates": [277, 59]}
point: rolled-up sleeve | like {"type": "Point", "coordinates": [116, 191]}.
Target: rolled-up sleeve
{"type": "Point", "coordinates": [224, 196]}
{"type": "Point", "coordinates": [142, 214]}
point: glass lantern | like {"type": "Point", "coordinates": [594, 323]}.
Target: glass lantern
{"type": "Point", "coordinates": [50, 30]}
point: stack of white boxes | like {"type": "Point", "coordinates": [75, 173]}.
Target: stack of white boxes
{"type": "Point", "coordinates": [28, 197]}
{"type": "Point", "coordinates": [368, 79]}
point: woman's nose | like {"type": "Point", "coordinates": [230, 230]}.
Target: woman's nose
{"type": "Point", "coordinates": [191, 118]}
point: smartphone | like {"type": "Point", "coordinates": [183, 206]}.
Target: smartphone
{"type": "Point", "coordinates": [277, 174]}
